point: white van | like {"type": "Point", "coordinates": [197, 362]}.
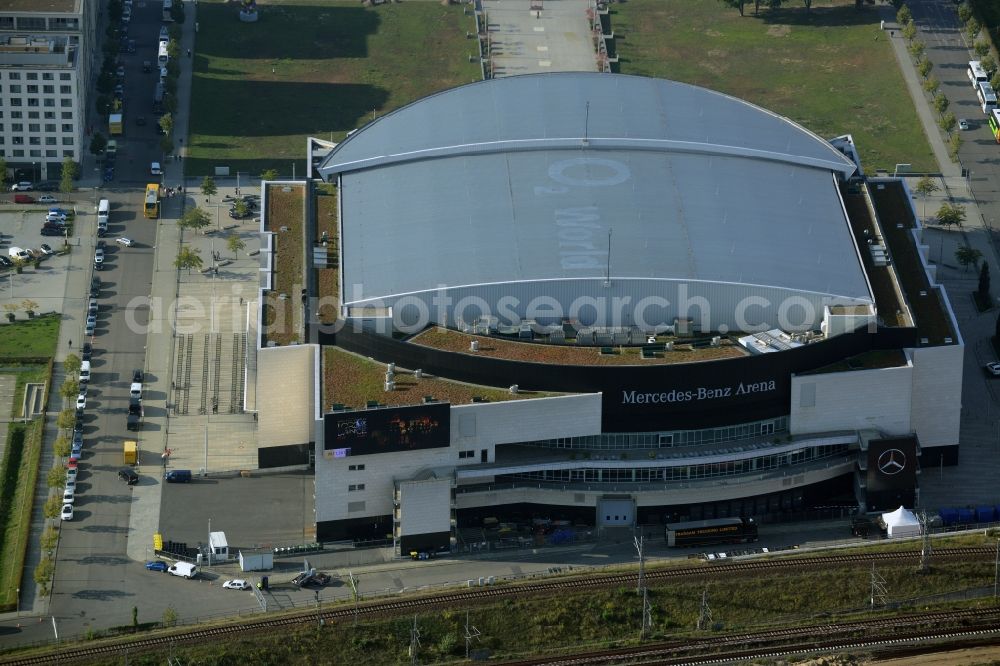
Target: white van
{"type": "Point", "coordinates": [162, 57]}
{"type": "Point", "coordinates": [85, 372]}
{"type": "Point", "coordinates": [18, 253]}
{"type": "Point", "coordinates": [183, 569]}
{"type": "Point", "coordinates": [135, 391]}
{"type": "Point", "coordinates": [103, 210]}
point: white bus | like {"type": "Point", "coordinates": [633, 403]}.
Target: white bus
{"type": "Point", "coordinates": [987, 97]}
{"type": "Point", "coordinates": [162, 58]}
{"type": "Point", "coordinates": [976, 73]}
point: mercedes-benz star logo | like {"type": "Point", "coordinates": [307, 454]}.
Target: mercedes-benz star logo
{"type": "Point", "coordinates": [892, 461]}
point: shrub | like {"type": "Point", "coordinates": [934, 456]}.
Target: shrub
{"type": "Point", "coordinates": [924, 67]}
{"type": "Point", "coordinates": [916, 49]}
{"type": "Point", "coordinates": [941, 102]}
{"type": "Point", "coordinates": [903, 16]}
{"type": "Point", "coordinates": [981, 47]}
{"type": "Point", "coordinates": [947, 122]}
{"type": "Point", "coordinates": [931, 85]}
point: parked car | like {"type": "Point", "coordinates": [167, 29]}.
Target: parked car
{"type": "Point", "coordinates": [67, 512]}
{"type": "Point", "coordinates": [71, 473]}
{"type": "Point", "coordinates": [78, 439]}
{"type": "Point", "coordinates": [147, 66]}
{"type": "Point", "coordinates": [67, 213]}
{"type": "Point", "coordinates": [156, 566]}
{"type": "Point", "coordinates": [237, 584]}
{"type": "Point", "coordinates": [137, 376]}
{"type": "Point", "coordinates": [23, 186]}
{"type": "Point", "coordinates": [5, 262]}
{"type": "Point", "coordinates": [52, 231]}
{"type": "Point", "coordinates": [235, 214]}
{"type": "Point", "coordinates": [46, 249]}
{"type": "Point", "coordinates": [95, 286]}
{"type": "Point", "coordinates": [155, 170]}
{"type": "Point", "coordinates": [963, 124]}
{"type": "Point", "coordinates": [130, 47]}
{"type": "Point", "coordinates": [129, 476]}
{"type": "Point", "coordinates": [47, 199]}
{"type": "Point", "coordinates": [98, 258]}
{"type": "Point", "coordinates": [81, 401]}
{"type": "Point", "coordinates": [87, 351]}
{"type": "Point", "coordinates": [76, 452]}
{"type": "Point", "coordinates": [124, 242]}
{"type": "Point", "coordinates": [992, 369]}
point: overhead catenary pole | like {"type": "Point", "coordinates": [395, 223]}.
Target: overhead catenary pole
{"type": "Point", "coordinates": [471, 633]}
{"type": "Point", "coordinates": [414, 642]}
{"type": "Point", "coordinates": [640, 588]}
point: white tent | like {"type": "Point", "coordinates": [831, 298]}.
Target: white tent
{"type": "Point", "coordinates": [901, 523]}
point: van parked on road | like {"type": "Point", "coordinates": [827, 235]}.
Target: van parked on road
{"type": "Point", "coordinates": [183, 569]}
{"type": "Point", "coordinates": [18, 253]}
{"type": "Point", "coordinates": [103, 211]}
{"type": "Point", "coordinates": [85, 372]}
{"type": "Point", "coordinates": [178, 476]}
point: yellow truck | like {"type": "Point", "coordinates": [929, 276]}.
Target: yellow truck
{"type": "Point", "coordinates": [115, 124]}
{"type": "Point", "coordinates": [131, 452]}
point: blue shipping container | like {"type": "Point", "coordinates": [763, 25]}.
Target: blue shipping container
{"type": "Point", "coordinates": [948, 516]}
{"type": "Point", "coordinates": [966, 516]}
{"type": "Point", "coordinates": [984, 514]}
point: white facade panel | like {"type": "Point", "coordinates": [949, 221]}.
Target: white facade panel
{"type": "Point", "coordinates": [937, 394]}
{"type": "Point", "coordinates": [852, 400]}
{"type": "Point", "coordinates": [425, 506]}
{"type": "Point", "coordinates": [475, 427]}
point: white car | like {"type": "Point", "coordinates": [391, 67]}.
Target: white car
{"type": "Point", "coordinates": [70, 484]}
{"type": "Point", "coordinates": [46, 249]}
{"type": "Point", "coordinates": [126, 242]}
{"type": "Point", "coordinates": [155, 169]}
{"type": "Point", "coordinates": [47, 199]}
{"type": "Point", "coordinates": [69, 496]}
{"type": "Point", "coordinates": [99, 256]}
{"type": "Point", "coordinates": [71, 474]}
{"type": "Point", "coordinates": [993, 369]}
{"type": "Point", "coordinates": [81, 401]}
{"type": "Point", "coordinates": [67, 512]}
{"type": "Point", "coordinates": [238, 584]}
{"type": "Point", "coordinates": [963, 124]}
{"type": "Point", "coordinates": [23, 186]}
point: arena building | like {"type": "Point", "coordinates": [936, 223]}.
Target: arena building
{"type": "Point", "coordinates": [604, 300]}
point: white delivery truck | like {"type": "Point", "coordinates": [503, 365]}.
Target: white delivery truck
{"type": "Point", "coordinates": [183, 569]}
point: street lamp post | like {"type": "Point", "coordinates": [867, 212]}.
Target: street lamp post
{"type": "Point", "coordinates": [18, 613]}
{"type": "Point", "coordinates": [35, 177]}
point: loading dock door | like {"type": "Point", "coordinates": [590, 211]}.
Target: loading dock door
{"type": "Point", "coordinates": [616, 512]}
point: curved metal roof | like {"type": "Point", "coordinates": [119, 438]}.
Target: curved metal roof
{"type": "Point", "coordinates": [524, 178]}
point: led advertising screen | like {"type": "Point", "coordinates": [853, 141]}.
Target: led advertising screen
{"type": "Point", "coordinates": [386, 429]}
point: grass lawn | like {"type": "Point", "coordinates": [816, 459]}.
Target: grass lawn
{"type": "Point", "coordinates": [832, 70]}
{"type": "Point", "coordinates": [286, 209]}
{"type": "Point", "coordinates": [29, 338]}
{"type": "Point", "coordinates": [17, 493]}
{"type": "Point", "coordinates": [313, 67]}
{"type": "Point", "coordinates": [352, 380]}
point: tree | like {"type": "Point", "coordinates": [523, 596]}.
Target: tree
{"type": "Point", "coordinates": [735, 4]}
{"type": "Point", "coordinates": [51, 508]}
{"type": "Point", "coordinates": [903, 16]}
{"type": "Point", "coordinates": [167, 123]}
{"type": "Point", "coordinates": [188, 258]}
{"type": "Point", "coordinates": [71, 364]}
{"type": "Point", "coordinates": [941, 102]}
{"type": "Point", "coordinates": [50, 539]}
{"type": "Point", "coordinates": [169, 616]}
{"type": "Point", "coordinates": [105, 83]}
{"type": "Point", "coordinates": [56, 477]}
{"type": "Point", "coordinates": [70, 171]}
{"type": "Point", "coordinates": [135, 616]}
{"type": "Point", "coordinates": [981, 47]}
{"type": "Point", "coordinates": [925, 187]}
{"type": "Point", "coordinates": [984, 281]}
{"type": "Point", "coordinates": [66, 418]}
{"type": "Point", "coordinates": [269, 174]}
{"type": "Point", "coordinates": [29, 306]}
{"type": "Point", "coordinates": [910, 31]}
{"type": "Point", "coordinates": [97, 144]}
{"type": "Point", "coordinates": [241, 208]}
{"type": "Point", "coordinates": [972, 29]}
{"type": "Point", "coordinates": [235, 244]}
{"type": "Point", "coordinates": [931, 85]}
{"type": "Point", "coordinates": [3, 170]}
{"type": "Point", "coordinates": [11, 310]}
{"type": "Point", "coordinates": [69, 388]}
{"type": "Point", "coordinates": [61, 447]}
{"type": "Point", "coordinates": [45, 568]}
{"type": "Point", "coordinates": [954, 145]}
{"type": "Point", "coordinates": [194, 218]}
{"type": "Point", "coordinates": [208, 187]}
{"type": "Point", "coordinates": [924, 67]}
{"type": "Point", "coordinates": [995, 80]}
{"type": "Point", "coordinates": [964, 12]}
{"type": "Point", "coordinates": [967, 255]}
{"type": "Point", "coordinates": [916, 49]}
{"type": "Point", "coordinates": [951, 214]}
{"type": "Point", "coordinates": [947, 122]}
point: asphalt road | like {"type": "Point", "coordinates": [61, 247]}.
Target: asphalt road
{"type": "Point", "coordinates": [948, 50]}
{"type": "Point", "coordinates": [140, 144]}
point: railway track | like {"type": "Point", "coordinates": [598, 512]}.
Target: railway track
{"type": "Point", "coordinates": [478, 595]}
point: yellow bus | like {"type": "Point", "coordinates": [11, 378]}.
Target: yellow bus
{"type": "Point", "coordinates": [152, 207]}
{"type": "Point", "coordinates": [994, 120]}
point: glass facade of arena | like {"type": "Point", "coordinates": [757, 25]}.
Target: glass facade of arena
{"type": "Point", "coordinates": [670, 439]}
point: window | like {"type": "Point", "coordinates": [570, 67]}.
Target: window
{"type": "Point", "coordinates": [33, 115]}
{"type": "Point", "coordinates": [356, 468]}
{"type": "Point", "coordinates": [32, 101]}
{"type": "Point", "coordinates": [35, 140]}
{"type": "Point", "coordinates": [49, 90]}
{"type": "Point", "coordinates": [15, 76]}
{"type": "Point", "coordinates": [65, 76]}
{"type": "Point", "coordinates": [15, 114]}
{"type": "Point", "coordinates": [49, 115]}
{"type": "Point", "coordinates": [466, 454]}
{"type": "Point", "coordinates": [69, 153]}
{"type": "Point", "coordinates": [32, 89]}
{"type": "Point", "coordinates": [18, 153]}
{"type": "Point", "coordinates": [50, 127]}
{"type": "Point", "coordinates": [50, 141]}
{"type": "Point", "coordinates": [6, 23]}
{"type": "Point", "coordinates": [52, 153]}
{"type": "Point", "coordinates": [49, 102]}
{"type": "Point", "coordinates": [34, 127]}
{"type": "Point", "coordinates": [67, 141]}
{"type": "Point", "coordinates": [30, 23]}
{"type": "Point", "coordinates": [16, 127]}
{"type": "Point", "coordinates": [15, 88]}
{"type": "Point", "coordinates": [64, 24]}
{"type": "Point", "coordinates": [66, 115]}
{"type": "Point", "coordinates": [66, 101]}
{"type": "Point", "coordinates": [64, 90]}
{"type": "Point", "coordinates": [47, 76]}
{"type": "Point", "coordinates": [354, 487]}
{"type": "Point", "coordinates": [35, 153]}
{"type": "Point", "coordinates": [67, 127]}
{"type": "Point", "coordinates": [31, 76]}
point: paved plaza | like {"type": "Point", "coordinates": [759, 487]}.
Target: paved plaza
{"type": "Point", "coordinates": [556, 37]}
